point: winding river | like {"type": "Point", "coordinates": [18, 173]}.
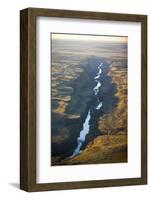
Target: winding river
{"type": "Point", "coordinates": [86, 124]}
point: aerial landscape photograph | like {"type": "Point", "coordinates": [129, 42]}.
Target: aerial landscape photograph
{"type": "Point", "coordinates": [88, 99]}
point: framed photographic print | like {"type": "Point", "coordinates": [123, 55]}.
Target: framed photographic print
{"type": "Point", "coordinates": [83, 99]}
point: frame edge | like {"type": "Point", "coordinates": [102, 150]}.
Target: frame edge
{"type": "Point", "coordinates": [27, 101]}
{"type": "Point", "coordinates": [23, 99]}
{"type": "Point", "coordinates": [27, 86]}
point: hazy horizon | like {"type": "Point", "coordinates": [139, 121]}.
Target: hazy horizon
{"type": "Point", "coordinates": [83, 37]}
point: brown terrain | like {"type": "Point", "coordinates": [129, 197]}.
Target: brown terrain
{"type": "Point", "coordinates": [111, 147]}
